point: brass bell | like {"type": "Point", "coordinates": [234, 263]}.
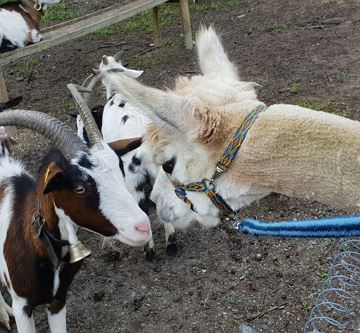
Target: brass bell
{"type": "Point", "coordinates": [78, 252]}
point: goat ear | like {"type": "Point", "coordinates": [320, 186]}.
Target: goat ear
{"type": "Point", "coordinates": [53, 178]}
{"type": "Point", "coordinates": [132, 73]}
{"type": "Point", "coordinates": [168, 110]}
{"type": "Point", "coordinates": [122, 147]}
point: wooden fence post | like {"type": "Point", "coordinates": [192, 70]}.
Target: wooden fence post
{"type": "Point", "coordinates": [186, 24]}
{"type": "Point", "coordinates": [4, 97]}
{"type": "Point", "coordinates": [156, 25]}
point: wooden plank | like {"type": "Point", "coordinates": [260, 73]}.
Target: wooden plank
{"type": "Point", "coordinates": [186, 23]}
{"type": "Point", "coordinates": [156, 25]}
{"type": "Point", "coordinates": [81, 28]}
{"type": "Point", "coordinates": [4, 97]}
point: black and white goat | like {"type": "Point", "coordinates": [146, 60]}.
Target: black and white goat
{"type": "Point", "coordinates": [76, 187]}
{"type": "Point", "coordinates": [121, 120]}
{"type": "Point", "coordinates": [20, 22]}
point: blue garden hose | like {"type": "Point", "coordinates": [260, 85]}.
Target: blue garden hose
{"type": "Point", "coordinates": [337, 227]}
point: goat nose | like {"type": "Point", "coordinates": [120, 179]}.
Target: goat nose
{"type": "Point", "coordinates": [143, 228]}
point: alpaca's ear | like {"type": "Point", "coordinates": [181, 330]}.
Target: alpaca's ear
{"type": "Point", "coordinates": [166, 109]}
{"type": "Point", "coordinates": [212, 57]}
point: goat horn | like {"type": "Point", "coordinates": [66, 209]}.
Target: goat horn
{"type": "Point", "coordinates": [53, 129]}
{"type": "Point", "coordinates": [87, 80]}
{"type": "Point", "coordinates": [92, 130]}
{"type": "Point", "coordinates": [117, 56]}
{"type": "Point", "coordinates": [88, 85]}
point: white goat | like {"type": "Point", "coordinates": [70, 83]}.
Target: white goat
{"type": "Point", "coordinates": [289, 149]}
{"type": "Point", "coordinates": [121, 120]}
{"type": "Point", "coordinates": [20, 22]}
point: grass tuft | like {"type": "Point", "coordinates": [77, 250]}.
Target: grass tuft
{"type": "Point", "coordinates": [26, 69]}
{"type": "Point", "coordinates": [58, 13]}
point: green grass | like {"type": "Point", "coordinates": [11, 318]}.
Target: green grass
{"type": "Point", "coordinates": [307, 308]}
{"type": "Point", "coordinates": [170, 13]}
{"type": "Point", "coordinates": [315, 105]}
{"type": "Point", "coordinates": [294, 88]}
{"type": "Point", "coordinates": [214, 5]}
{"type": "Point", "coordinates": [143, 22]}
{"type": "Point", "coordinates": [27, 68]}
{"type": "Point", "coordinates": [322, 275]}
{"type": "Point", "coordinates": [106, 32]}
{"type": "Point", "coordinates": [326, 106]}
{"type": "Point", "coordinates": [279, 26]}
{"type": "Point", "coordinates": [144, 62]}
{"type": "Point", "coordinates": [59, 12]}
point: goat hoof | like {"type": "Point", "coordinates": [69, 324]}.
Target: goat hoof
{"type": "Point", "coordinates": [171, 248]}
{"type": "Point", "coordinates": [150, 255]}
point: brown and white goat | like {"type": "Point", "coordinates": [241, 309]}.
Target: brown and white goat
{"type": "Point", "coordinates": [20, 21]}
{"type": "Point", "coordinates": [76, 187]}
{"type": "Point", "coordinates": [289, 149]}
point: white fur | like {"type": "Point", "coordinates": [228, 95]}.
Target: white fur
{"type": "Point", "coordinates": [6, 214]}
{"type": "Point", "coordinates": [13, 27]}
{"type": "Point", "coordinates": [175, 112]}
{"type": "Point", "coordinates": [5, 313]}
{"type": "Point", "coordinates": [57, 322]}
{"type": "Point", "coordinates": [116, 203]}
{"type": "Point", "coordinates": [67, 227]}
{"type": "Point", "coordinates": [24, 323]}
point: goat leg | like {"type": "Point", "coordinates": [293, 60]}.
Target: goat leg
{"type": "Point", "coordinates": [171, 242]}
{"type": "Point", "coordinates": [5, 312]}
{"type": "Point", "coordinates": [149, 250]}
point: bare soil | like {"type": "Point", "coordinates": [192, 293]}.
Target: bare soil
{"type": "Point", "coordinates": [301, 51]}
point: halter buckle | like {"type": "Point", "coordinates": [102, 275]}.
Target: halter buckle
{"type": "Point", "coordinates": [209, 182]}
{"type": "Point", "coordinates": [220, 168]}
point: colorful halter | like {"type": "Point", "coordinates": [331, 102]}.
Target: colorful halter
{"type": "Point", "coordinates": [207, 185]}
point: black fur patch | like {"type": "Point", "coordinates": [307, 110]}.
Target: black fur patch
{"type": "Point", "coordinates": [122, 104]}
{"type": "Point", "coordinates": [143, 204]}
{"type": "Point", "coordinates": [124, 118]}
{"type": "Point", "coordinates": [145, 187]}
{"type": "Point", "coordinates": [135, 161]}
{"type": "Point", "coordinates": [111, 96]}
{"type": "Point", "coordinates": [121, 165]}
{"type": "Point", "coordinates": [85, 162]}
{"type": "Point", "coordinates": [97, 112]}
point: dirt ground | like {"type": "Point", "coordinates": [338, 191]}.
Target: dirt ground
{"type": "Point", "coordinates": [301, 51]}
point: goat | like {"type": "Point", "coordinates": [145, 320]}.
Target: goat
{"type": "Point", "coordinates": [289, 149]}
{"type": "Point", "coordinates": [76, 187]}
{"type": "Point", "coordinates": [20, 22]}
{"type": "Point", "coordinates": [121, 120]}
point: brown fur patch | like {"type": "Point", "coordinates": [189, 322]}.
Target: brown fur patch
{"type": "Point", "coordinates": [210, 122]}
{"type": "Point", "coordinates": [82, 213]}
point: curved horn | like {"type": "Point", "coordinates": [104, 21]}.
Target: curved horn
{"type": "Point", "coordinates": [92, 130]}
{"type": "Point", "coordinates": [117, 56]}
{"type": "Point", "coordinates": [89, 84]}
{"type": "Point", "coordinates": [53, 129]}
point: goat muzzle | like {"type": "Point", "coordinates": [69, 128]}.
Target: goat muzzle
{"type": "Point", "coordinates": [78, 252]}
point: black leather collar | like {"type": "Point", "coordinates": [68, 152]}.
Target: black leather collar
{"type": "Point", "coordinates": [51, 242]}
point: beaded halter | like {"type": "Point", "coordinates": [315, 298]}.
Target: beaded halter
{"type": "Point", "coordinates": [207, 185]}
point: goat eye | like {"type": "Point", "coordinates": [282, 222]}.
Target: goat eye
{"type": "Point", "coordinates": [168, 166]}
{"type": "Point", "coordinates": [80, 190]}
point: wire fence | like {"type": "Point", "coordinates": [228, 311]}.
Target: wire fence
{"type": "Point", "coordinates": [337, 307]}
